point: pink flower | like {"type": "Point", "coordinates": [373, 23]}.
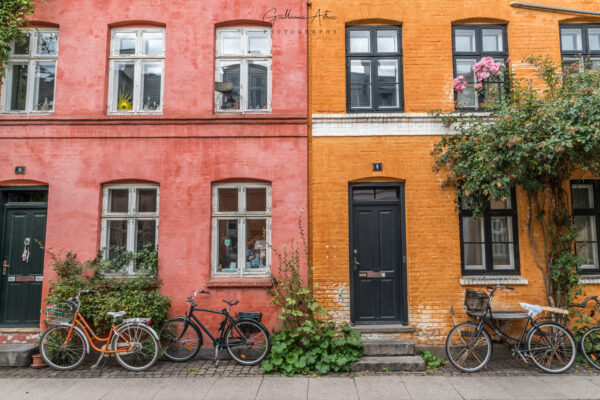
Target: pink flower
{"type": "Point", "coordinates": [459, 84]}
{"type": "Point", "coordinates": [486, 67]}
{"type": "Point", "coordinates": [508, 60]}
{"type": "Point", "coordinates": [478, 86]}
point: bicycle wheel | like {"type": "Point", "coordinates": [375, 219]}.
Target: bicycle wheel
{"type": "Point", "coordinates": [144, 347]}
{"type": "Point", "coordinates": [59, 353]}
{"type": "Point", "coordinates": [180, 340]}
{"type": "Point", "coordinates": [468, 350]}
{"type": "Point", "coordinates": [551, 347]}
{"type": "Point", "coordinates": [590, 346]}
{"type": "Point", "coordinates": [247, 342]}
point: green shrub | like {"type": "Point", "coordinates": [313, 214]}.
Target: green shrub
{"type": "Point", "coordinates": [305, 342]}
{"type": "Point", "coordinates": [138, 295]}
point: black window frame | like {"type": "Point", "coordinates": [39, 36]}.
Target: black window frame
{"type": "Point", "coordinates": [487, 226]}
{"type": "Point", "coordinates": [589, 212]}
{"type": "Point", "coordinates": [374, 56]}
{"type": "Point", "coordinates": [479, 54]}
{"type": "Point", "coordinates": [585, 54]}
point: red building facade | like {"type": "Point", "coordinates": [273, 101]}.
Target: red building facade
{"type": "Point", "coordinates": [173, 123]}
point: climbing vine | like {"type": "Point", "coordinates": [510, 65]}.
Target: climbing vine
{"type": "Point", "coordinates": [538, 137]}
{"type": "Point", "coordinates": [13, 14]}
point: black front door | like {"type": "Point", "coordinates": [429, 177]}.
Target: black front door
{"type": "Point", "coordinates": [377, 262]}
{"type": "Point", "coordinates": [21, 257]}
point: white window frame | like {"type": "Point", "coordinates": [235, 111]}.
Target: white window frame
{"type": "Point", "coordinates": [31, 60]}
{"type": "Point", "coordinates": [138, 58]}
{"type": "Point", "coordinates": [131, 216]}
{"type": "Point", "coordinates": [242, 216]}
{"type": "Point", "coordinates": [243, 57]}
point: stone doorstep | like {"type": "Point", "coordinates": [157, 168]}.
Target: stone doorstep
{"type": "Point", "coordinates": [388, 347]}
{"type": "Point", "coordinates": [20, 330]}
{"type": "Point", "coordinates": [383, 328]}
{"type": "Point", "coordinates": [389, 363]}
{"type": "Point", "coordinates": [16, 355]}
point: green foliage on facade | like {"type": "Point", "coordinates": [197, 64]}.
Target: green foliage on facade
{"type": "Point", "coordinates": [138, 295]}
{"type": "Point", "coordinates": [12, 20]}
{"type": "Point", "coordinates": [536, 137]}
{"type": "Point", "coordinates": [305, 342]}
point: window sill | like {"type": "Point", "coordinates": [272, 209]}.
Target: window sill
{"type": "Point", "coordinates": [239, 282]}
{"type": "Point", "coordinates": [589, 279]}
{"type": "Point", "coordinates": [493, 280]}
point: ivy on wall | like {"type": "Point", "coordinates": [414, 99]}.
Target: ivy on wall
{"type": "Point", "coordinates": [13, 14]}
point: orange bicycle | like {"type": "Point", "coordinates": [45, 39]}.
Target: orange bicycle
{"type": "Point", "coordinates": [65, 345]}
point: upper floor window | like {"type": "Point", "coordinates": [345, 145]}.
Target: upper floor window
{"type": "Point", "coordinates": [580, 46]}
{"type": "Point", "coordinates": [374, 69]}
{"type": "Point", "coordinates": [585, 198]}
{"type": "Point", "coordinates": [471, 43]}
{"type": "Point", "coordinates": [31, 72]}
{"type": "Point", "coordinates": [129, 219]}
{"type": "Point", "coordinates": [489, 244]}
{"type": "Point", "coordinates": [241, 229]}
{"type": "Point", "coordinates": [243, 70]}
{"type": "Point", "coordinates": [137, 60]}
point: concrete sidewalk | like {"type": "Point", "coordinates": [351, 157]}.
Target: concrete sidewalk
{"type": "Point", "coordinates": [326, 388]}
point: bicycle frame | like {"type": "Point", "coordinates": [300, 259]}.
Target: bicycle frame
{"type": "Point", "coordinates": [225, 324]}
{"type": "Point", "coordinates": [82, 323]}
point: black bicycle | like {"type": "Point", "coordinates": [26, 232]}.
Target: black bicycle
{"type": "Point", "coordinates": [548, 344]}
{"type": "Point", "coordinates": [590, 340]}
{"type": "Point", "coordinates": [244, 337]}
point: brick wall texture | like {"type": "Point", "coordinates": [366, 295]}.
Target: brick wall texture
{"type": "Point", "coordinates": [432, 226]}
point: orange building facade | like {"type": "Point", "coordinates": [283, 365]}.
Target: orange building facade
{"type": "Point", "coordinates": [390, 253]}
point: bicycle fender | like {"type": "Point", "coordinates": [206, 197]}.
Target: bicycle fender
{"type": "Point", "coordinates": [256, 322]}
{"type": "Point", "coordinates": [83, 335]}
{"type": "Point", "coordinates": [152, 331]}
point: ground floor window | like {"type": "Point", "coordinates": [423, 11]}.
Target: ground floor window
{"type": "Point", "coordinates": [129, 219]}
{"type": "Point", "coordinates": [489, 244]}
{"type": "Point", "coordinates": [241, 229]}
{"type": "Point", "coordinates": [586, 215]}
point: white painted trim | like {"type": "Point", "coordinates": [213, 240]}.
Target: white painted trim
{"type": "Point", "coordinates": [377, 124]}
{"type": "Point", "coordinates": [493, 280]}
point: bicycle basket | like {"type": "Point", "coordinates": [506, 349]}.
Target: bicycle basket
{"type": "Point", "coordinates": [475, 302]}
{"type": "Point", "coordinates": [62, 313]}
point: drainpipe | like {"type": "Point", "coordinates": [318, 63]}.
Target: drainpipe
{"type": "Point", "coordinates": [558, 9]}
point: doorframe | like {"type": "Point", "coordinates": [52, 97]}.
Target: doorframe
{"type": "Point", "coordinates": [403, 265]}
{"type": "Point", "coordinates": [5, 206]}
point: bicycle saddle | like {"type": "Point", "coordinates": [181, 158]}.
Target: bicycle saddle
{"type": "Point", "coordinates": [116, 314]}
{"type": "Point", "coordinates": [534, 310]}
{"type": "Point", "coordinates": [231, 302]}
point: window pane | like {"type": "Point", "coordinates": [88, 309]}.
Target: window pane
{"type": "Point", "coordinates": [44, 86]}
{"type": "Point", "coordinates": [360, 79]}
{"type": "Point", "coordinates": [503, 256]}
{"type": "Point", "coordinates": [256, 199]}
{"type": "Point", "coordinates": [145, 233]}
{"type": "Point", "coordinates": [256, 246]}
{"type": "Point", "coordinates": [117, 236]}
{"type": "Point", "coordinates": [257, 85]}
{"type": "Point", "coordinates": [464, 40]}
{"type": "Point", "coordinates": [474, 256]}
{"type": "Point", "coordinates": [468, 98]}
{"type": "Point", "coordinates": [386, 194]}
{"type": "Point", "coordinates": [227, 234]}
{"type": "Point", "coordinates": [595, 63]}
{"type": "Point", "coordinates": [387, 96]}
{"type": "Point", "coordinates": [387, 41]}
{"type": "Point", "coordinates": [582, 196]}
{"type": "Point", "coordinates": [500, 204]}
{"type": "Point", "coordinates": [586, 244]}
{"type": "Point", "coordinates": [594, 39]}
{"type": "Point", "coordinates": [151, 84]}
{"type": "Point", "coordinates": [572, 65]}
{"type": "Point", "coordinates": [360, 42]}
{"type": "Point", "coordinates": [492, 40]}
{"type": "Point", "coordinates": [258, 42]}
{"type": "Point", "coordinates": [387, 71]}
{"type": "Point", "coordinates": [124, 43]}
{"type": "Point", "coordinates": [228, 199]}
{"type": "Point", "coordinates": [123, 86]}
{"type": "Point", "coordinates": [231, 42]}
{"type": "Point", "coordinates": [363, 194]}
{"type": "Point", "coordinates": [21, 44]}
{"type": "Point", "coordinates": [473, 229]}
{"type": "Point", "coordinates": [570, 39]}
{"type": "Point", "coordinates": [18, 81]}
{"type": "Point", "coordinates": [118, 200]}
{"type": "Point", "coordinates": [589, 252]}
{"type": "Point", "coordinates": [146, 200]}
{"type": "Point", "coordinates": [229, 71]}
{"type": "Point", "coordinates": [502, 230]}
{"type": "Point", "coordinates": [586, 228]}
{"type": "Point", "coordinates": [47, 43]}
{"type": "Point", "coordinates": [154, 43]}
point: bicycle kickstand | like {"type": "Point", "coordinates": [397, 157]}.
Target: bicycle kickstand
{"type": "Point", "coordinates": [100, 359]}
{"type": "Point", "coordinates": [218, 351]}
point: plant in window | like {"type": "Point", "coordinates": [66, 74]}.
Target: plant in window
{"type": "Point", "coordinates": [486, 70]}
{"type": "Point", "coordinates": [534, 138]}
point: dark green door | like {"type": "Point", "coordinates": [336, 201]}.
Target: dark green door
{"type": "Point", "coordinates": [22, 259]}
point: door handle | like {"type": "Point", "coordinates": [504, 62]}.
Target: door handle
{"type": "Point", "coordinates": [4, 267]}
{"type": "Point", "coordinates": [356, 264]}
